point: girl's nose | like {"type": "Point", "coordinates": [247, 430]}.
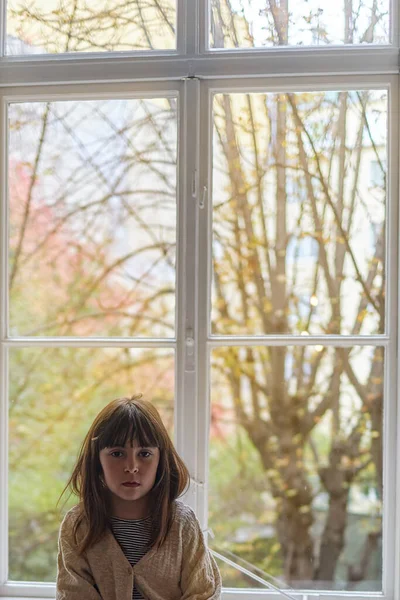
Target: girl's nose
{"type": "Point", "coordinates": [131, 468]}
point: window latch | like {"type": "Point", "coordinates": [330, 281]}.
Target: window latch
{"type": "Point", "coordinates": [189, 350]}
{"type": "Point", "coordinates": [203, 198]}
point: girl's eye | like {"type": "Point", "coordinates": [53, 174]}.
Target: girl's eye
{"type": "Point", "coordinates": [145, 454]}
{"type": "Point", "coordinates": [116, 452]}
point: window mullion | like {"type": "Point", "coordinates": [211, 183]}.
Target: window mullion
{"type": "Point", "coordinates": [189, 12]}
{"type": "Point", "coordinates": [3, 465]}
{"type": "Point", "coordinates": [203, 12]}
{"type": "Point", "coordinates": [390, 414]}
{"type": "Point", "coordinates": [181, 26]}
{"type": "Point", "coordinates": [395, 23]}
{"type": "Point", "coordinates": [3, 26]}
{"type": "Point", "coordinates": [186, 397]}
{"type": "Point", "coordinates": [391, 533]}
{"type": "Point", "coordinates": [204, 275]}
{"type": "Point", "coordinates": [3, 350]}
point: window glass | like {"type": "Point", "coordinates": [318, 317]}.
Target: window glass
{"type": "Point", "coordinates": [298, 229]}
{"type": "Point", "coordinates": [55, 393]}
{"type": "Point", "coordinates": [256, 23]}
{"type": "Point", "coordinates": [295, 487]}
{"type": "Point", "coordinates": [55, 26]}
{"type": "Point", "coordinates": [92, 194]}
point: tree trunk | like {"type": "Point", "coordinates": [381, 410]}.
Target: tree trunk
{"type": "Point", "coordinates": [333, 537]}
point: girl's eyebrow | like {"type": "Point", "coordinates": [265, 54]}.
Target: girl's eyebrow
{"type": "Point", "coordinates": [138, 447]}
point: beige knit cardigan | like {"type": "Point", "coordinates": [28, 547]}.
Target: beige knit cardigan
{"type": "Point", "coordinates": [182, 569]}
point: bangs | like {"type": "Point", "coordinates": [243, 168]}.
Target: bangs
{"type": "Point", "coordinates": [128, 424]}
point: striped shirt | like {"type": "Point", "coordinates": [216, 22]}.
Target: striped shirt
{"type": "Point", "coordinates": [133, 535]}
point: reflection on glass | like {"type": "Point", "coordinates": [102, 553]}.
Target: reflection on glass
{"type": "Point", "coordinates": [56, 26]}
{"type": "Point", "coordinates": [295, 487]}
{"type": "Point", "coordinates": [299, 194]}
{"type": "Point", "coordinates": [55, 394]}
{"type": "Point", "coordinates": [238, 24]}
{"type": "Point", "coordinates": [236, 568]}
{"type": "Point", "coordinates": [92, 193]}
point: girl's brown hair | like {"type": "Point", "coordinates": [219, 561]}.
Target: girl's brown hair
{"type": "Point", "coordinates": [121, 420]}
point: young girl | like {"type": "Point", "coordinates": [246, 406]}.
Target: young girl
{"type": "Point", "coordinates": [129, 537]}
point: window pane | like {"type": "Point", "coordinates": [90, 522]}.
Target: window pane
{"type": "Point", "coordinates": [299, 194]}
{"type": "Point", "coordinates": [257, 23]}
{"type": "Point", "coordinates": [54, 26]}
{"type": "Point", "coordinates": [54, 396]}
{"type": "Point", "coordinates": [300, 429]}
{"type": "Point", "coordinates": [92, 193]}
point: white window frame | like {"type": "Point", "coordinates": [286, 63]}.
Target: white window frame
{"type": "Point", "coordinates": [194, 73]}
{"type": "Point", "coordinates": [389, 340]}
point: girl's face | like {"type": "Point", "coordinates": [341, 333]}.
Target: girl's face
{"type": "Point", "coordinates": [129, 473]}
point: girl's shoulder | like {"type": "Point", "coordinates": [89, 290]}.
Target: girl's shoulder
{"type": "Point", "coordinates": [184, 516]}
{"type": "Point", "coordinates": [70, 518]}
{"type": "Point", "coordinates": [73, 514]}
{"type": "Point", "coordinates": [182, 510]}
